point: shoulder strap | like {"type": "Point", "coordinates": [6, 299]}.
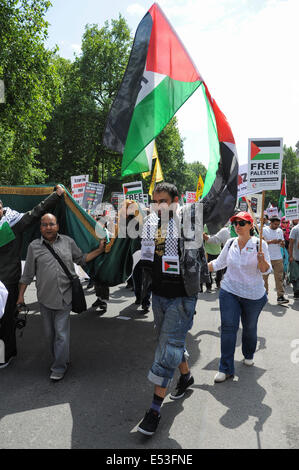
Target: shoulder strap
{"type": "Point", "coordinates": [231, 242]}
{"type": "Point", "coordinates": [67, 272]}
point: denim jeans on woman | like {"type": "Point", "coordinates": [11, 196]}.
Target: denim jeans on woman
{"type": "Point", "coordinates": [232, 308]}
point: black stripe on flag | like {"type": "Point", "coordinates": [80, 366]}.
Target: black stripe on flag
{"type": "Point", "coordinates": [132, 185]}
{"type": "Point", "coordinates": [219, 203]}
{"type": "Point", "coordinates": [267, 143]}
{"type": "Point", "coordinates": [121, 111]}
{"type": "Point", "coordinates": [171, 263]}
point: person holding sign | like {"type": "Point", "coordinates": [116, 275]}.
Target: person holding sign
{"type": "Point", "coordinates": [275, 240]}
{"type": "Point", "coordinates": [242, 294]}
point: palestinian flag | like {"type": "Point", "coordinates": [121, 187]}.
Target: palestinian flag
{"type": "Point", "coordinates": [132, 188]}
{"type": "Point", "coordinates": [159, 78]}
{"type": "Point", "coordinates": [221, 183]}
{"type": "Point", "coordinates": [265, 150]}
{"type": "Point", "coordinates": [282, 198]}
{"type": "Point", "coordinates": [170, 265]}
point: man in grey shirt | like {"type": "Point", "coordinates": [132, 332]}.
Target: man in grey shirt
{"type": "Point", "coordinates": [54, 291]}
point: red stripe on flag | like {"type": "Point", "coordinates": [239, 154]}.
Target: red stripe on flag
{"type": "Point", "coordinates": [166, 53]}
{"type": "Point", "coordinates": [283, 191]}
{"type": "Point", "coordinates": [223, 128]}
{"type": "Point", "coordinates": [254, 150]}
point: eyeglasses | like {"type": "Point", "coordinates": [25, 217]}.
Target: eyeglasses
{"type": "Point", "coordinates": [242, 223]}
{"type": "Point", "coordinates": [51, 224]}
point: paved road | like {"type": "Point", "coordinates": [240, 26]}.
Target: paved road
{"type": "Point", "coordinates": [106, 392]}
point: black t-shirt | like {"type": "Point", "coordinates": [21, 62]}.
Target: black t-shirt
{"type": "Point", "coordinates": [165, 285]}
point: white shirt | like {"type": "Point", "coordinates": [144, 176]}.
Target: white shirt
{"type": "Point", "coordinates": [270, 234]}
{"type": "Point", "coordinates": [242, 277]}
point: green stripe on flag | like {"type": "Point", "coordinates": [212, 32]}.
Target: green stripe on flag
{"type": "Point", "coordinates": [267, 156]}
{"type": "Point", "coordinates": [214, 149]}
{"type": "Point", "coordinates": [150, 117]}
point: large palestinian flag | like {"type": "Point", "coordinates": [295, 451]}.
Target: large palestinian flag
{"type": "Point", "coordinates": [159, 78]}
{"type": "Point", "coordinates": [221, 182]}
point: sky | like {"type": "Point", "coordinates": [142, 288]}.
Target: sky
{"type": "Point", "coordinates": [245, 50]}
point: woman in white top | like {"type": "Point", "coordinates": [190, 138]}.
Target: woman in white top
{"type": "Point", "coordinates": [242, 294]}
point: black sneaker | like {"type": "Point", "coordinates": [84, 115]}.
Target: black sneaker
{"type": "Point", "coordinates": [149, 423]}
{"type": "Point", "coordinates": [181, 388]}
{"type": "Point", "coordinates": [282, 300]}
{"type": "Point", "coordinates": [99, 303]}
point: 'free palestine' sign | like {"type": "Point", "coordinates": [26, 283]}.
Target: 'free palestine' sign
{"type": "Point", "coordinates": [264, 164]}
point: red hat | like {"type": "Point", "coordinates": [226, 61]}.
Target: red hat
{"type": "Point", "coordinates": [243, 216]}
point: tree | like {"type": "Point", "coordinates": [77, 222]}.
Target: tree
{"type": "Point", "coordinates": [73, 143]}
{"type": "Point", "coordinates": [32, 88]}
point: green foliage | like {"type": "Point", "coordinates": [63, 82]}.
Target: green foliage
{"type": "Point", "coordinates": [52, 123]}
{"type": "Point", "coordinates": [32, 88]}
{"type": "Point", "coordinates": [74, 135]}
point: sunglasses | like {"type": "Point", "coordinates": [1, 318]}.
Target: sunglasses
{"type": "Point", "coordinates": [242, 223]}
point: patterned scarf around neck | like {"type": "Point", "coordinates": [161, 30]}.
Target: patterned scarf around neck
{"type": "Point", "coordinates": [149, 231]}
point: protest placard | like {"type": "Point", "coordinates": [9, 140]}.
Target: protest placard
{"type": "Point", "coordinates": [292, 209]}
{"type": "Point", "coordinates": [93, 195]}
{"type": "Point", "coordinates": [190, 197]}
{"type": "Point", "coordinates": [272, 212]}
{"type": "Point", "coordinates": [133, 190]}
{"type": "Point", "coordinates": [78, 186]}
{"type": "Point", "coordinates": [264, 164]}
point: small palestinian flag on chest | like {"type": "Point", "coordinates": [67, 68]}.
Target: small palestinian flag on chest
{"type": "Point", "coordinates": [170, 265]}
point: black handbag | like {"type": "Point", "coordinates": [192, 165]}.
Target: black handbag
{"type": "Point", "coordinates": [78, 297]}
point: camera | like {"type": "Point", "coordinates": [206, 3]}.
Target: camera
{"type": "Point", "coordinates": [21, 316]}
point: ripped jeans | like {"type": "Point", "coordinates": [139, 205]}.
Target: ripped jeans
{"type": "Point", "coordinates": [173, 319]}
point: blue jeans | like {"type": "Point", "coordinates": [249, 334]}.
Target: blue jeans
{"type": "Point", "coordinates": [173, 319]}
{"type": "Point", "coordinates": [232, 308]}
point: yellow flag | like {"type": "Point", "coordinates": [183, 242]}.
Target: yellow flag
{"type": "Point", "coordinates": [155, 155]}
{"type": "Point", "coordinates": [199, 189]}
{"type": "Point", "coordinates": [157, 176]}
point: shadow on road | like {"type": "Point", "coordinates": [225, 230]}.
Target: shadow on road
{"type": "Point", "coordinates": [240, 406]}
{"type": "Point", "coordinates": [106, 386]}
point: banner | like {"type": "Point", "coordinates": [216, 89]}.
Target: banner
{"type": "Point", "coordinates": [78, 186]}
{"type": "Point", "coordinates": [93, 195]}
{"type": "Point", "coordinates": [292, 209]}
{"type": "Point", "coordinates": [264, 164]}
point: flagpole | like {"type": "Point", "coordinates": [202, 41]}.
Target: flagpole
{"type": "Point", "coordinates": [251, 212]}
{"type": "Point", "coordinates": [262, 222]}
